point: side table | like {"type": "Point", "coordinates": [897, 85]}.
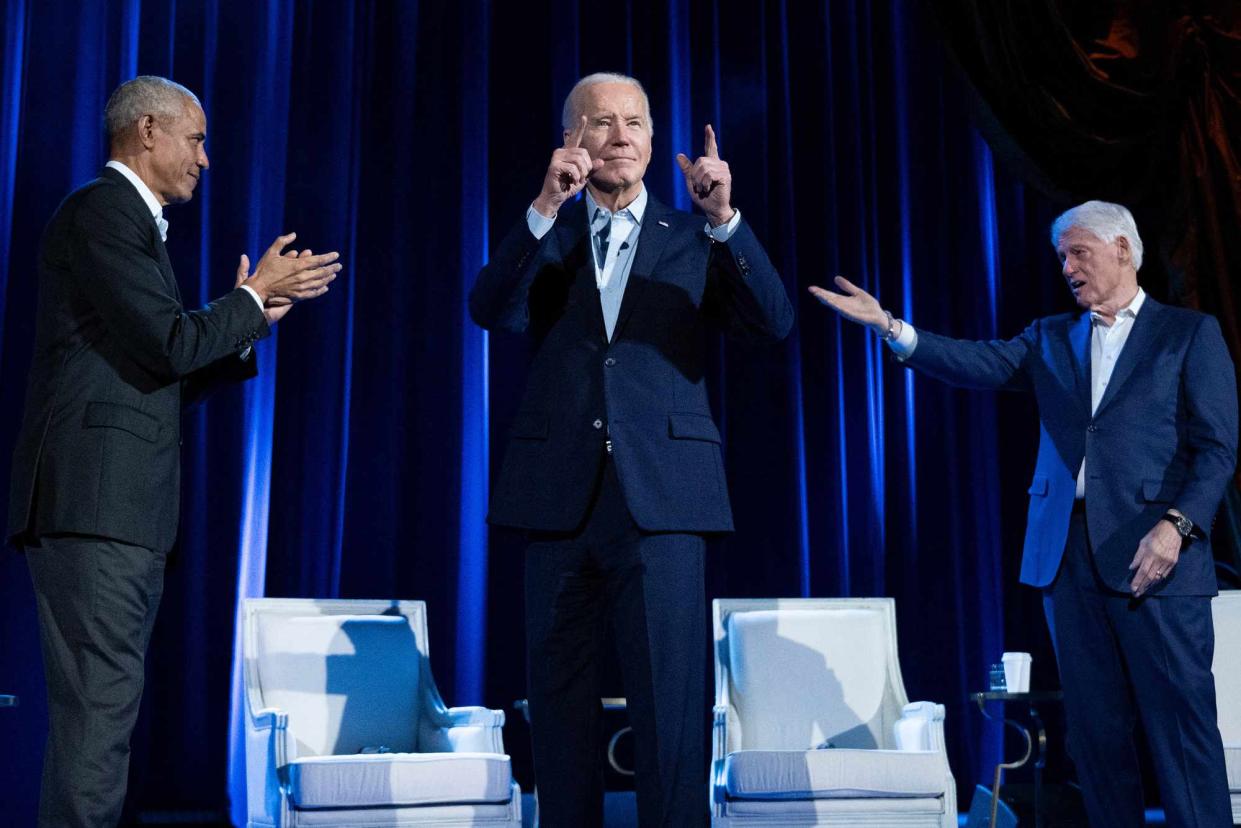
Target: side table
{"type": "Point", "coordinates": [1031, 700]}
{"type": "Point", "coordinates": [8, 701]}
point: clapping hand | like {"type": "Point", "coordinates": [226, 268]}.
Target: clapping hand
{"type": "Point", "coordinates": [709, 181]}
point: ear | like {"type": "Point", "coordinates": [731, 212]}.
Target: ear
{"type": "Point", "coordinates": [146, 130]}
{"type": "Point", "coordinates": [1123, 251]}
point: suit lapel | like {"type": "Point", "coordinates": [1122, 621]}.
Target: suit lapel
{"type": "Point", "coordinates": [1079, 344]}
{"type": "Point", "coordinates": [573, 236]}
{"type": "Point", "coordinates": [135, 203]}
{"type": "Point", "coordinates": [1145, 333]}
{"type": "Point", "coordinates": [652, 239]}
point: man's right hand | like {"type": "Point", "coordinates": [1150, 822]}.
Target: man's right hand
{"type": "Point", "coordinates": [854, 304]}
{"type": "Point", "coordinates": [278, 278]}
{"type": "Point", "coordinates": [567, 173]}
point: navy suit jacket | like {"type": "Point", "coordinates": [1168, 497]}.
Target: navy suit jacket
{"type": "Point", "coordinates": [1164, 434]}
{"type": "Point", "coordinates": [645, 389]}
{"type": "Point", "coordinates": [116, 357]}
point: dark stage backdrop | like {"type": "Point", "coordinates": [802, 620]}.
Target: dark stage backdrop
{"type": "Point", "coordinates": [409, 136]}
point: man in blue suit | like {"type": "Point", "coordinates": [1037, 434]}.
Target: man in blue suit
{"type": "Point", "coordinates": [614, 467]}
{"type": "Point", "coordinates": [1138, 406]}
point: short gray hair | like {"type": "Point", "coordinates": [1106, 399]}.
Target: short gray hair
{"type": "Point", "coordinates": [1106, 220]}
{"type": "Point", "coordinates": [569, 115]}
{"type": "Point", "coordinates": [144, 95]}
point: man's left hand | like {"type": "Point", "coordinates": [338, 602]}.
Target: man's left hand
{"type": "Point", "coordinates": [709, 181]}
{"type": "Point", "coordinates": [1157, 554]}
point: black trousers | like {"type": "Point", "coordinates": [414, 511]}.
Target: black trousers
{"type": "Point", "coordinates": [1124, 660]}
{"type": "Point", "coordinates": [649, 588]}
{"type": "Point", "coordinates": [96, 601]}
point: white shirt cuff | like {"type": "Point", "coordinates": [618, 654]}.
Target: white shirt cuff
{"type": "Point", "coordinates": [725, 231]}
{"type": "Point", "coordinates": [905, 342]}
{"type": "Point", "coordinates": [253, 293]}
{"type": "Point", "coordinates": [538, 223]}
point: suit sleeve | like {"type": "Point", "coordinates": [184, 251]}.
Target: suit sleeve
{"type": "Point", "coordinates": [744, 294]}
{"type": "Point", "coordinates": [997, 364]}
{"type": "Point", "coordinates": [204, 382]}
{"type": "Point", "coordinates": [115, 271]}
{"type": "Point", "coordinates": [501, 293]}
{"type": "Point", "coordinates": [1209, 386]}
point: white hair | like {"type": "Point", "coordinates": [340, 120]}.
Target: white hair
{"type": "Point", "coordinates": [1104, 219]}
{"type": "Point", "coordinates": [570, 113]}
{"type": "Point", "coordinates": [145, 95]}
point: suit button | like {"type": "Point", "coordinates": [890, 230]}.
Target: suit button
{"type": "Point", "coordinates": [598, 424]}
{"type": "Point", "coordinates": [1092, 428]}
{"type": "Point", "coordinates": [609, 362]}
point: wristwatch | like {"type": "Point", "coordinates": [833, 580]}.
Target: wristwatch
{"type": "Point", "coordinates": [1184, 526]}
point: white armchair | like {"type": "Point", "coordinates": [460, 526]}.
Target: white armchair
{"type": "Point", "coordinates": [1226, 610]}
{"type": "Point", "coordinates": [344, 724]}
{"type": "Point", "coordinates": [812, 724]}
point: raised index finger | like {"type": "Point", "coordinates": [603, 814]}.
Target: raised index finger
{"type": "Point", "coordinates": [574, 140]}
{"type": "Point", "coordinates": [710, 148]}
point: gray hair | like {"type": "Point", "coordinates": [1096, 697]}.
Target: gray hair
{"type": "Point", "coordinates": [569, 115]}
{"type": "Point", "coordinates": [145, 95]}
{"type": "Point", "coordinates": [1106, 220]}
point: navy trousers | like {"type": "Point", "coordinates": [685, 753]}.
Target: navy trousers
{"type": "Point", "coordinates": [97, 600]}
{"type": "Point", "coordinates": [1124, 660]}
{"type": "Point", "coordinates": [649, 589]}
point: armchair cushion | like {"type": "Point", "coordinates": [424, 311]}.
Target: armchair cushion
{"type": "Point", "coordinates": [347, 682]}
{"type": "Point", "coordinates": [395, 779]}
{"type": "Point", "coordinates": [827, 774]}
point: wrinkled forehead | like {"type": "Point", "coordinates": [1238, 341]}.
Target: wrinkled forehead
{"type": "Point", "coordinates": [621, 99]}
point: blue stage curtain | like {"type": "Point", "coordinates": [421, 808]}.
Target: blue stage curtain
{"type": "Point", "coordinates": [411, 136]}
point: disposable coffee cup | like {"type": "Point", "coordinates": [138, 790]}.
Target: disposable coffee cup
{"type": "Point", "coordinates": [1017, 671]}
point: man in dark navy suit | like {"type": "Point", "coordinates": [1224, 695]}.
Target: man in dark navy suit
{"type": "Point", "coordinates": [614, 466]}
{"type": "Point", "coordinates": [96, 471]}
{"type": "Point", "coordinates": [1138, 405]}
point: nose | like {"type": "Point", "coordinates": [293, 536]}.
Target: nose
{"type": "Point", "coordinates": [1067, 267]}
{"type": "Point", "coordinates": [202, 162]}
{"type": "Point", "coordinates": [617, 135]}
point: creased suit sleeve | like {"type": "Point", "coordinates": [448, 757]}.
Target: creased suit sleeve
{"type": "Point", "coordinates": [996, 364]}
{"type": "Point", "coordinates": [744, 294]}
{"type": "Point", "coordinates": [501, 293]}
{"type": "Point", "coordinates": [1210, 391]}
{"type": "Point", "coordinates": [114, 270]}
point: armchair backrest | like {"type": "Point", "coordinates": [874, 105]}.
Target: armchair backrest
{"type": "Point", "coordinates": [1226, 610]}
{"type": "Point", "coordinates": [348, 673]}
{"type": "Point", "coordinates": [797, 674]}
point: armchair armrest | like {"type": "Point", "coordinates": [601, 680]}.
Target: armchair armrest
{"type": "Point", "coordinates": [920, 727]}
{"type": "Point", "coordinates": [269, 717]}
{"type": "Point", "coordinates": [461, 730]}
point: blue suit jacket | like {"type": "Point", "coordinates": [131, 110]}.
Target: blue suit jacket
{"type": "Point", "coordinates": [644, 390]}
{"type": "Point", "coordinates": [1164, 434]}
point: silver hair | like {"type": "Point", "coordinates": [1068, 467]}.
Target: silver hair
{"type": "Point", "coordinates": [144, 95]}
{"type": "Point", "coordinates": [1104, 219]}
{"type": "Point", "coordinates": [569, 115]}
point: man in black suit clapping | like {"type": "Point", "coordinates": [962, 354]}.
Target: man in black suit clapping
{"type": "Point", "coordinates": [96, 472]}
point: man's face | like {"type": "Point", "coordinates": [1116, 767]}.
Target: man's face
{"type": "Point", "coordinates": [1099, 273]}
{"type": "Point", "coordinates": [178, 157]}
{"type": "Point", "coordinates": [618, 131]}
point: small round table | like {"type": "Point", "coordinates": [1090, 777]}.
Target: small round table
{"type": "Point", "coordinates": [1039, 737]}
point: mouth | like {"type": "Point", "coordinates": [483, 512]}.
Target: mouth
{"type": "Point", "coordinates": [1076, 284]}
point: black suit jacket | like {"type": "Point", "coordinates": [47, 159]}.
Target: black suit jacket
{"type": "Point", "coordinates": [645, 389]}
{"type": "Point", "coordinates": [115, 358]}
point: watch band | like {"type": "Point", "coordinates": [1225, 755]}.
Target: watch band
{"type": "Point", "coordinates": [1184, 526]}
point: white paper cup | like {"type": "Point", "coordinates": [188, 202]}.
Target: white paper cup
{"type": "Point", "coordinates": [1017, 671]}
